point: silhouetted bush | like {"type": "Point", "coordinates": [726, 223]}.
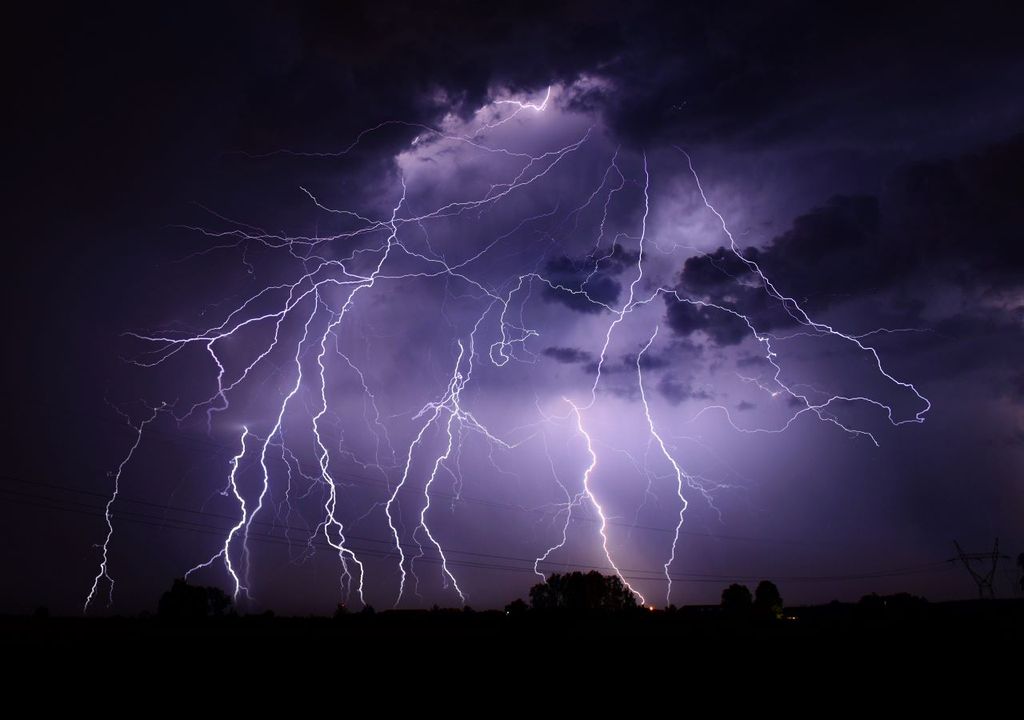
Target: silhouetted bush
{"type": "Point", "coordinates": [737, 600]}
{"type": "Point", "coordinates": [767, 601]}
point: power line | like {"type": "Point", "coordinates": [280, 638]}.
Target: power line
{"type": "Point", "coordinates": [377, 483]}
{"type": "Point", "coordinates": [361, 479]}
{"type": "Point", "coordinates": [267, 538]}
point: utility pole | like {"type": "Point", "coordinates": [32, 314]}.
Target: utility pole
{"type": "Point", "coordinates": [983, 579]}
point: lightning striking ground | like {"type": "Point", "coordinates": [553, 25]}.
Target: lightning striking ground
{"type": "Point", "coordinates": [346, 274]}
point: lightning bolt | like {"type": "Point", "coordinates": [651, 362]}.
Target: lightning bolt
{"type": "Point", "coordinates": [792, 307]}
{"type": "Point", "coordinates": [671, 460]}
{"type": "Point", "coordinates": [104, 572]}
{"type": "Point", "coordinates": [395, 248]}
{"type": "Point", "coordinates": [225, 552]}
{"type": "Point", "coordinates": [603, 520]}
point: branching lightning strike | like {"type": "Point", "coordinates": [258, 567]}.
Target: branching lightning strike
{"type": "Point", "coordinates": [330, 289]}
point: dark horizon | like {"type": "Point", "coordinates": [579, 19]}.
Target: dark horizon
{"type": "Point", "coordinates": [572, 265]}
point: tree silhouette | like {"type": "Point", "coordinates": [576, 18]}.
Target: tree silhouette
{"type": "Point", "coordinates": [736, 599]}
{"type": "Point", "coordinates": [577, 591]}
{"type": "Point", "coordinates": [192, 602]}
{"type": "Point", "coordinates": [516, 607]}
{"type": "Point", "coordinates": [767, 600]}
{"type": "Point", "coordinates": [1020, 564]}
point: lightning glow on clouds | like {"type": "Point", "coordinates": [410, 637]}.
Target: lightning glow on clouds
{"type": "Point", "coordinates": [411, 346]}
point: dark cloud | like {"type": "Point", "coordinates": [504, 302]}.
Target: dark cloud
{"type": "Point", "coordinates": [931, 208]}
{"type": "Point", "coordinates": [833, 252]}
{"type": "Point", "coordinates": [595, 276]}
{"type": "Point", "coordinates": [618, 259]}
{"type": "Point", "coordinates": [407, 61]}
{"type": "Point", "coordinates": [765, 75]}
{"type": "Point", "coordinates": [677, 72]}
{"type": "Point", "coordinates": [676, 390]}
{"type": "Point", "coordinates": [568, 355]}
{"type": "Point", "coordinates": [648, 361]}
{"type": "Point", "coordinates": [854, 247]}
{"type": "Point", "coordinates": [829, 254]}
{"type": "Point", "coordinates": [721, 327]}
{"type": "Point", "coordinates": [125, 114]}
{"type": "Point", "coordinates": [714, 272]}
{"type": "Point", "coordinates": [859, 245]}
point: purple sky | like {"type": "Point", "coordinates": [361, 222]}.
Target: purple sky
{"type": "Point", "coordinates": [496, 265]}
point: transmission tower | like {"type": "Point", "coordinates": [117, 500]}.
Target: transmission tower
{"type": "Point", "coordinates": [983, 579]}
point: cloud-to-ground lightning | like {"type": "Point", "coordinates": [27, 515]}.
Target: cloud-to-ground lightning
{"type": "Point", "coordinates": [679, 473]}
{"type": "Point", "coordinates": [103, 573]}
{"type": "Point", "coordinates": [309, 320]}
{"type": "Point", "coordinates": [225, 552]}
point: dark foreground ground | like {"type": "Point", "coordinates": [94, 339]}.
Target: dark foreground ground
{"type": "Point", "coordinates": [848, 625]}
{"type": "Point", "coordinates": [493, 664]}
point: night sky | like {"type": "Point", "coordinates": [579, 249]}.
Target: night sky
{"type": "Point", "coordinates": [403, 298]}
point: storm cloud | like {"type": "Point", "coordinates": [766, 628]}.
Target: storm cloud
{"type": "Point", "coordinates": [867, 158]}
